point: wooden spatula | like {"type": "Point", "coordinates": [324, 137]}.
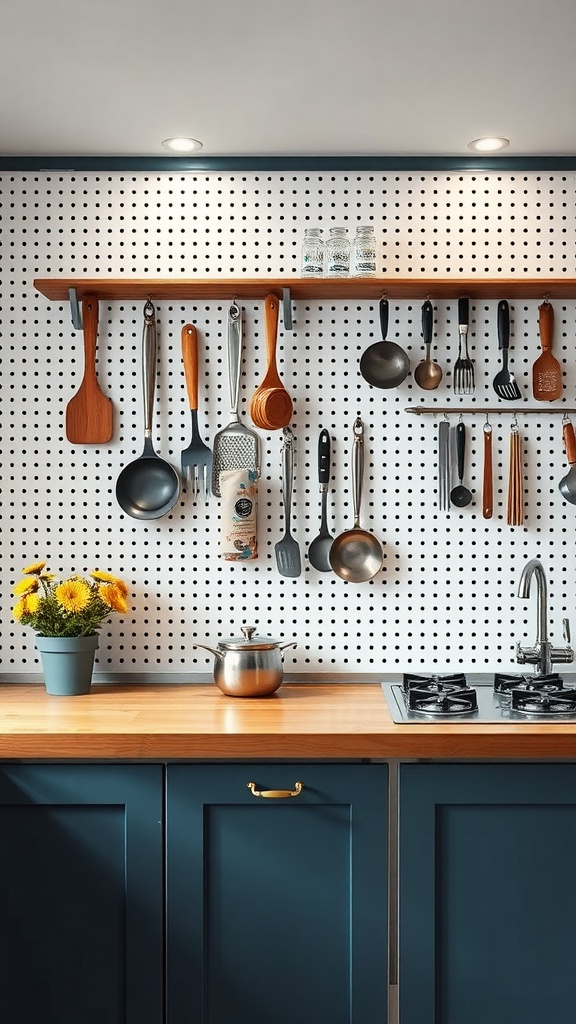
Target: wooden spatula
{"type": "Point", "coordinates": [89, 414]}
{"type": "Point", "coordinates": [546, 372]}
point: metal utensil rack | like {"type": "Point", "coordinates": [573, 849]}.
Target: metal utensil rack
{"type": "Point", "coordinates": [485, 410]}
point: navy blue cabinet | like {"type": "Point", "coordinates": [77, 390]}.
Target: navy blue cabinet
{"type": "Point", "coordinates": [81, 914]}
{"type": "Point", "coordinates": [487, 893]}
{"type": "Point", "coordinates": [276, 907]}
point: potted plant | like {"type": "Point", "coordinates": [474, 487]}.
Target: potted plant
{"type": "Point", "coordinates": [66, 615]}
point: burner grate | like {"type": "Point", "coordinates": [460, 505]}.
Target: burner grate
{"type": "Point", "coordinates": [545, 701]}
{"type": "Point", "coordinates": [505, 682]}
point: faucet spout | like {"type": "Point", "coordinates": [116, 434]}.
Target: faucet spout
{"type": "Point", "coordinates": [534, 568]}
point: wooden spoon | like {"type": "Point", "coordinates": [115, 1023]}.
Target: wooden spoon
{"type": "Point", "coordinates": [89, 414]}
{"type": "Point", "coordinates": [271, 406]}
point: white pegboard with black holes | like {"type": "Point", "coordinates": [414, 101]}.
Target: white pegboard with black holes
{"type": "Point", "coordinates": [446, 598]}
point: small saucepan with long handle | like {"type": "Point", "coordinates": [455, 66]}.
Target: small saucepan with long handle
{"type": "Point", "coordinates": [384, 364]}
{"type": "Point", "coordinates": [148, 487]}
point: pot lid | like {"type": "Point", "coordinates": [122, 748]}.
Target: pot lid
{"type": "Point", "coordinates": [248, 642]}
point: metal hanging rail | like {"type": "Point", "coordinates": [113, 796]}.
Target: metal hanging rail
{"type": "Point", "coordinates": [486, 410]}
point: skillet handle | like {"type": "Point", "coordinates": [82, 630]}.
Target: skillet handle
{"type": "Point", "coordinates": [384, 311]}
{"type": "Point", "coordinates": [357, 469]}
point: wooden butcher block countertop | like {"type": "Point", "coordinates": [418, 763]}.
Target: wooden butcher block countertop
{"type": "Point", "coordinates": [162, 721]}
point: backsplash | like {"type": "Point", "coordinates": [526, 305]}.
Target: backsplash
{"type": "Point", "coordinates": [446, 596]}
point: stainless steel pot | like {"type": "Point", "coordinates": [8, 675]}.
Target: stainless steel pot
{"type": "Point", "coordinates": [248, 666]}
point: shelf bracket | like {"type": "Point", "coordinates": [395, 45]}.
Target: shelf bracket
{"type": "Point", "coordinates": [287, 309]}
{"type": "Point", "coordinates": [75, 311]}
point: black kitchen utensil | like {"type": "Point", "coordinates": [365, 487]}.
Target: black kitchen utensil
{"type": "Point", "coordinates": [319, 548]}
{"type": "Point", "coordinates": [384, 364]}
{"type": "Point", "coordinates": [148, 487]}
{"type": "Point", "coordinates": [428, 374]}
{"type": "Point", "coordinates": [460, 496]}
{"type": "Point", "coordinates": [505, 384]}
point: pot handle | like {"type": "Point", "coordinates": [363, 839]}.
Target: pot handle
{"type": "Point", "coordinates": [217, 654]}
{"type": "Point", "coordinates": [292, 643]}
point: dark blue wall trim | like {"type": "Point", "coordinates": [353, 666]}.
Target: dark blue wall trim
{"type": "Point", "coordinates": [263, 164]}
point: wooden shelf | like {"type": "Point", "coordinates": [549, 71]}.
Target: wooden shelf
{"type": "Point", "coordinates": [312, 289]}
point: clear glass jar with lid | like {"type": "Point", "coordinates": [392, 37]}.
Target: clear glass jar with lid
{"type": "Point", "coordinates": [337, 255]}
{"type": "Point", "coordinates": [364, 257]}
{"type": "Point", "coordinates": [313, 253]}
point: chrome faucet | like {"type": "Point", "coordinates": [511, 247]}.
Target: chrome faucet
{"type": "Point", "coordinates": [542, 655]}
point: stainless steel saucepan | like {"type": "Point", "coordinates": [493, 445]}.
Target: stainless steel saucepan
{"type": "Point", "coordinates": [248, 665]}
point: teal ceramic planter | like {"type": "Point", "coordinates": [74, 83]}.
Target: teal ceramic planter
{"type": "Point", "coordinates": [68, 663]}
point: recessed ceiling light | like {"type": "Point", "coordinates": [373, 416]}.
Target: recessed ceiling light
{"type": "Point", "coordinates": [182, 145]}
{"type": "Point", "coordinates": [488, 145]}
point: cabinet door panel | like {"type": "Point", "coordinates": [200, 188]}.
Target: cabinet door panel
{"type": "Point", "coordinates": [80, 894]}
{"type": "Point", "coordinates": [290, 921]}
{"type": "Point", "coordinates": [487, 894]}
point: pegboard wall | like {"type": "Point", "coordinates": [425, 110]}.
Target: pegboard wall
{"type": "Point", "coordinates": [446, 597]}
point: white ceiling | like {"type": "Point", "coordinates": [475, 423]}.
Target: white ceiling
{"type": "Point", "coordinates": [287, 77]}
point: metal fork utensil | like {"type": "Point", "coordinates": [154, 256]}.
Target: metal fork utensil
{"type": "Point", "coordinates": [196, 459]}
{"type": "Point", "coordinates": [463, 367]}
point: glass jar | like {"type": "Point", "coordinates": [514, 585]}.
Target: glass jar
{"type": "Point", "coordinates": [337, 256]}
{"type": "Point", "coordinates": [364, 252]}
{"type": "Point", "coordinates": [313, 253]}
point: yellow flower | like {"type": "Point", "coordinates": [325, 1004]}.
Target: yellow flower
{"type": "Point", "coordinates": [107, 577]}
{"type": "Point", "coordinates": [113, 597]}
{"type": "Point", "coordinates": [26, 586]}
{"type": "Point", "coordinates": [34, 569]}
{"type": "Point", "coordinates": [19, 609]}
{"type": "Point", "coordinates": [73, 595]}
{"type": "Point", "coordinates": [27, 605]}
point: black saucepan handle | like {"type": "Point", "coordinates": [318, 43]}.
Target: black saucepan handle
{"type": "Point", "coordinates": [460, 449]}
{"type": "Point", "coordinates": [324, 457]}
{"type": "Point", "coordinates": [427, 322]}
{"type": "Point", "coordinates": [384, 318]}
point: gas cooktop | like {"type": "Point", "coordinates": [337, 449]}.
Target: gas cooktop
{"type": "Point", "coordinates": [501, 698]}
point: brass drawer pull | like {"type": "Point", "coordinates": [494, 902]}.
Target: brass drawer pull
{"type": "Point", "coordinates": [276, 794]}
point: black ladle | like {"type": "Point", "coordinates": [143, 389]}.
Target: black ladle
{"type": "Point", "coordinates": [384, 364]}
{"type": "Point", "coordinates": [319, 549]}
{"type": "Point", "coordinates": [460, 496]}
{"type": "Point", "coordinates": [148, 487]}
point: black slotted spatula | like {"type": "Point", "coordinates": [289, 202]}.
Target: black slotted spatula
{"type": "Point", "coordinates": [505, 384]}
